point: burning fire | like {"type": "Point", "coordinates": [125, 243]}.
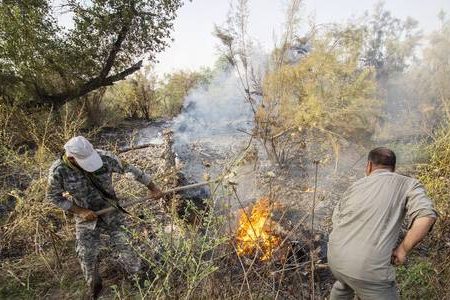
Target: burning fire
{"type": "Point", "coordinates": [255, 231]}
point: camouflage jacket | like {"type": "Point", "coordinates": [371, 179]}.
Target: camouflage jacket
{"type": "Point", "coordinates": [63, 179]}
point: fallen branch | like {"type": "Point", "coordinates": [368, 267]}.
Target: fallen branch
{"type": "Point", "coordinates": [137, 147]}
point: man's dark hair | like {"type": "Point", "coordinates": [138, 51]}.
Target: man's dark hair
{"type": "Point", "coordinates": [382, 156]}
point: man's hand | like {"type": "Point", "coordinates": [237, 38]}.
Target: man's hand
{"type": "Point", "coordinates": [88, 215]}
{"type": "Point", "coordinates": [419, 229]}
{"type": "Point", "coordinates": [84, 213]}
{"type": "Point", "coordinates": [399, 255]}
{"type": "Point", "coordinates": [154, 192]}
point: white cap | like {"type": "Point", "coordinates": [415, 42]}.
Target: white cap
{"type": "Point", "coordinates": [84, 153]}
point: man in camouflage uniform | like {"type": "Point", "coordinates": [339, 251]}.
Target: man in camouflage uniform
{"type": "Point", "coordinates": [86, 175]}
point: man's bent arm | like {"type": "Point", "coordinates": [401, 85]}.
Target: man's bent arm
{"type": "Point", "coordinates": [55, 194]}
{"type": "Point", "coordinates": [417, 232]}
{"type": "Point", "coordinates": [123, 167]}
{"type": "Point", "coordinates": [421, 215]}
{"type": "Point", "coordinates": [55, 191]}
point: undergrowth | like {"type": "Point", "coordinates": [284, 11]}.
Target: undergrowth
{"type": "Point", "coordinates": [190, 261]}
{"type": "Point", "coordinates": [428, 276]}
{"type": "Point", "coordinates": [436, 177]}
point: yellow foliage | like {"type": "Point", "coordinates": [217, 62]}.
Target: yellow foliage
{"type": "Point", "coordinates": [326, 89]}
{"type": "Point", "coordinates": [435, 176]}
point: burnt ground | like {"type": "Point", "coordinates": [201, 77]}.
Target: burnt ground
{"type": "Point", "coordinates": [291, 186]}
{"type": "Point", "coordinates": [252, 175]}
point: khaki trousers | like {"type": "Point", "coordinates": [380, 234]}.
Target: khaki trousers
{"type": "Point", "coordinates": [347, 288]}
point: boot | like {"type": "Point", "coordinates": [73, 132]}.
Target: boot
{"type": "Point", "coordinates": [95, 287]}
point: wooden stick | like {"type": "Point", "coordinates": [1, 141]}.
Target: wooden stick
{"type": "Point", "coordinates": [136, 147]}
{"type": "Point", "coordinates": [313, 288]}
{"type": "Point", "coordinates": [174, 190]}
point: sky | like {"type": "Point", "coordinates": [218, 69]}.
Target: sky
{"type": "Point", "coordinates": [195, 46]}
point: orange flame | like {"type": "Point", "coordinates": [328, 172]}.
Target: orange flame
{"type": "Point", "coordinates": [255, 231]}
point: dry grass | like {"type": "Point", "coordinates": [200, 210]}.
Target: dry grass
{"type": "Point", "coordinates": [436, 177]}
{"type": "Point", "coordinates": [187, 261]}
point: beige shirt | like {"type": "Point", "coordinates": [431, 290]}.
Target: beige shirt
{"type": "Point", "coordinates": [367, 222]}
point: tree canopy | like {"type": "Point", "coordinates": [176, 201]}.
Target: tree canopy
{"type": "Point", "coordinates": [326, 89]}
{"type": "Point", "coordinates": [390, 42]}
{"type": "Point", "coordinates": [43, 63]}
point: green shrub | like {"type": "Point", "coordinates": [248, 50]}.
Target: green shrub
{"type": "Point", "coordinates": [416, 280]}
{"type": "Point", "coordinates": [436, 177]}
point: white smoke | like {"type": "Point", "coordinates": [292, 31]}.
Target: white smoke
{"type": "Point", "coordinates": [217, 109]}
{"type": "Point", "coordinates": [211, 125]}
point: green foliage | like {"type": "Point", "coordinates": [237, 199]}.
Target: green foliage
{"type": "Point", "coordinates": [135, 97]}
{"type": "Point", "coordinates": [436, 177]}
{"type": "Point", "coordinates": [416, 280]}
{"type": "Point", "coordinates": [176, 86]}
{"type": "Point", "coordinates": [30, 46]}
{"type": "Point", "coordinates": [42, 63]}
{"type": "Point", "coordinates": [436, 174]}
{"type": "Point", "coordinates": [389, 42]}
{"type": "Point", "coordinates": [144, 95]}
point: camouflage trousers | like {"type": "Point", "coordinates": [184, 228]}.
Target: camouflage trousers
{"type": "Point", "coordinates": [88, 245]}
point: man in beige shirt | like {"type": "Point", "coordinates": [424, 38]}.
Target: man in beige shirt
{"type": "Point", "coordinates": [366, 225]}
